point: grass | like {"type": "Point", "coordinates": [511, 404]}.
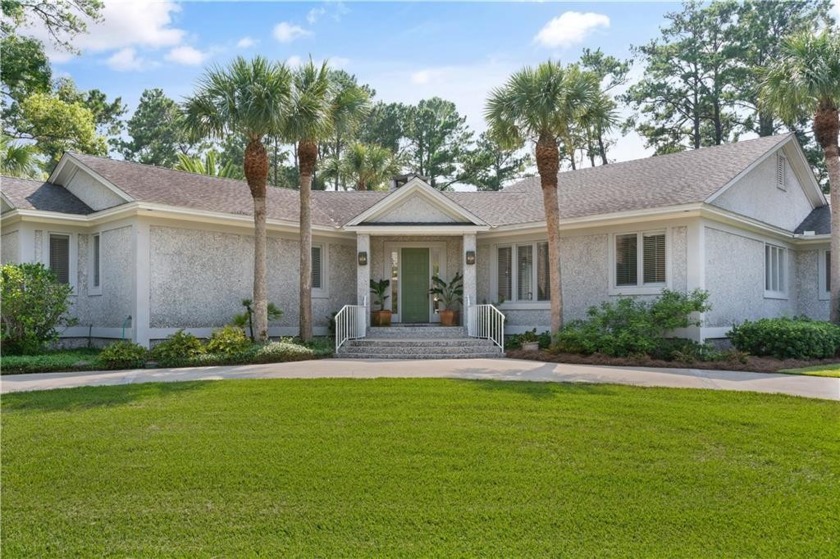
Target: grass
{"type": "Point", "coordinates": [828, 370]}
{"type": "Point", "coordinates": [417, 468]}
{"type": "Point", "coordinates": [62, 360]}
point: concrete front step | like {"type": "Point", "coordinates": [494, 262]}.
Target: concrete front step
{"type": "Point", "coordinates": [419, 348]}
{"type": "Point", "coordinates": [414, 332]}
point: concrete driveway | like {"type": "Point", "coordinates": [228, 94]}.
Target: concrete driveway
{"type": "Point", "coordinates": [485, 369]}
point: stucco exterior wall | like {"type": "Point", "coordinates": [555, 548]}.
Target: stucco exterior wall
{"type": "Point", "coordinates": [757, 196]}
{"type": "Point", "coordinates": [812, 301]}
{"type": "Point", "coordinates": [113, 303]}
{"type": "Point", "coordinates": [679, 259]}
{"type": "Point", "coordinates": [199, 278]}
{"type": "Point", "coordinates": [10, 248]}
{"type": "Point", "coordinates": [92, 192]}
{"type": "Point", "coordinates": [735, 280]}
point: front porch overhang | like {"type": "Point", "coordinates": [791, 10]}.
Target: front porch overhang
{"type": "Point", "coordinates": [417, 229]}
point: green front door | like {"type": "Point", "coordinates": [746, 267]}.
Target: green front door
{"type": "Point", "coordinates": [415, 285]}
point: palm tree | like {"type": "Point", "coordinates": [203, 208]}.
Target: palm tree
{"type": "Point", "coordinates": [309, 121]}
{"type": "Point", "coordinates": [18, 160]}
{"type": "Point", "coordinates": [369, 166]}
{"type": "Point", "coordinates": [208, 166]}
{"type": "Point", "coordinates": [543, 105]}
{"type": "Point", "coordinates": [248, 99]}
{"type": "Point", "coordinates": [806, 81]}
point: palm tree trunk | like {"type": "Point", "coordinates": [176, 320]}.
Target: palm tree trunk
{"type": "Point", "coordinates": [826, 129]}
{"type": "Point", "coordinates": [256, 173]}
{"type": "Point", "coordinates": [832, 163]}
{"type": "Point", "coordinates": [548, 165]}
{"type": "Point", "coordinates": [307, 155]}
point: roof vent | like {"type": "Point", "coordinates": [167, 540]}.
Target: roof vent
{"type": "Point", "coordinates": [809, 233]}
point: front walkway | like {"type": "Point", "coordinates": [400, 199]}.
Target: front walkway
{"type": "Point", "coordinates": [485, 369]}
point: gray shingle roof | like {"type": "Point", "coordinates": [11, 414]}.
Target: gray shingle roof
{"type": "Point", "coordinates": [818, 221]}
{"type": "Point", "coordinates": [656, 182]}
{"type": "Point", "coordinates": [28, 194]}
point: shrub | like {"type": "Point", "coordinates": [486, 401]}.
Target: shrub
{"type": "Point", "coordinates": [34, 305]}
{"type": "Point", "coordinates": [178, 347]}
{"type": "Point", "coordinates": [122, 355]}
{"type": "Point", "coordinates": [787, 338]}
{"type": "Point", "coordinates": [628, 327]}
{"type": "Point", "coordinates": [246, 319]}
{"type": "Point", "coordinates": [229, 340]}
{"type": "Point", "coordinates": [282, 351]}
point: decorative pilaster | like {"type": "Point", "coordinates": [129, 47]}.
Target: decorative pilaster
{"type": "Point", "coordinates": [470, 284]}
{"type": "Point", "coordinates": [363, 270]}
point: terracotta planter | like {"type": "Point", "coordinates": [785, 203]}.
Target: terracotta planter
{"type": "Point", "coordinates": [380, 318]}
{"type": "Point", "coordinates": [447, 317]}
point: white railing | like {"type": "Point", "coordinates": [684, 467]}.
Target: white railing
{"type": "Point", "coordinates": [350, 323]}
{"type": "Point", "coordinates": [487, 322]}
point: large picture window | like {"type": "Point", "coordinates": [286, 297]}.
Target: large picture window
{"type": "Point", "coordinates": [639, 260]}
{"type": "Point", "coordinates": [528, 280]}
{"type": "Point", "coordinates": [775, 276]}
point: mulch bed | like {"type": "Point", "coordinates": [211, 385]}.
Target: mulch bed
{"type": "Point", "coordinates": [753, 364]}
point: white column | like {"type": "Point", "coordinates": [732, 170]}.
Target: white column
{"type": "Point", "coordinates": [696, 269]}
{"type": "Point", "coordinates": [363, 272]}
{"type": "Point", "coordinates": [470, 287]}
{"type": "Point", "coordinates": [142, 290]}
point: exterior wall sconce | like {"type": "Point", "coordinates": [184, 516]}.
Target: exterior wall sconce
{"type": "Point", "coordinates": [363, 258]}
{"type": "Point", "coordinates": [471, 257]}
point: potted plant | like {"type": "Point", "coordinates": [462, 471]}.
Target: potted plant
{"type": "Point", "coordinates": [529, 340]}
{"type": "Point", "coordinates": [450, 295]}
{"type": "Point", "coordinates": [382, 317]}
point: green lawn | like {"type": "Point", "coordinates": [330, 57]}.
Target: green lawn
{"type": "Point", "coordinates": [398, 467]}
{"type": "Point", "coordinates": [829, 370]}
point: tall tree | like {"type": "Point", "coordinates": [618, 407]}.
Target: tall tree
{"type": "Point", "coordinates": [384, 125]}
{"type": "Point", "coordinates": [806, 80]}
{"type": "Point", "coordinates": [308, 122]}
{"type": "Point", "coordinates": [210, 165]}
{"type": "Point", "coordinates": [543, 104]}
{"type": "Point", "coordinates": [489, 166]}
{"type": "Point", "coordinates": [18, 160]}
{"type": "Point", "coordinates": [157, 134]}
{"type": "Point", "coordinates": [684, 99]}
{"type": "Point", "coordinates": [612, 74]}
{"type": "Point", "coordinates": [247, 99]}
{"type": "Point", "coordinates": [761, 29]}
{"type": "Point", "coordinates": [437, 136]}
{"type": "Point", "coordinates": [351, 104]}
{"type": "Point", "coordinates": [107, 115]}
{"type": "Point", "coordinates": [57, 126]}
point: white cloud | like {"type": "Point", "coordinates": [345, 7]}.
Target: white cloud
{"type": "Point", "coordinates": [186, 55]}
{"type": "Point", "coordinates": [246, 43]}
{"type": "Point", "coordinates": [425, 77]}
{"type": "Point", "coordinates": [570, 29]}
{"type": "Point", "coordinates": [286, 32]}
{"type": "Point", "coordinates": [141, 23]}
{"type": "Point", "coordinates": [835, 11]}
{"type": "Point", "coordinates": [315, 14]}
{"type": "Point", "coordinates": [125, 60]}
{"type": "Point", "coordinates": [294, 61]}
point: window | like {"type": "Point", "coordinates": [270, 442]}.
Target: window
{"type": "Point", "coordinates": [640, 259]}
{"type": "Point", "coordinates": [60, 257]}
{"type": "Point", "coordinates": [317, 268]}
{"type": "Point", "coordinates": [530, 280]}
{"type": "Point", "coordinates": [774, 271]}
{"type": "Point", "coordinates": [824, 275]}
{"type": "Point", "coordinates": [95, 262]}
{"type": "Point", "coordinates": [781, 171]}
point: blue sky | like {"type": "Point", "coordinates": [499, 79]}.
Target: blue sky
{"type": "Point", "coordinates": [405, 51]}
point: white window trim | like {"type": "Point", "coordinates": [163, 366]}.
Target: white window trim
{"type": "Point", "coordinates": [73, 256]}
{"type": "Point", "coordinates": [513, 303]}
{"type": "Point", "coordinates": [768, 294]}
{"type": "Point", "coordinates": [781, 169]}
{"type": "Point", "coordinates": [824, 294]}
{"type": "Point", "coordinates": [92, 289]}
{"type": "Point", "coordinates": [323, 292]}
{"type": "Point", "coordinates": [640, 288]}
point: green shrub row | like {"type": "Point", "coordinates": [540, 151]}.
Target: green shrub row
{"type": "Point", "coordinates": [787, 338]}
{"type": "Point", "coordinates": [629, 327]}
